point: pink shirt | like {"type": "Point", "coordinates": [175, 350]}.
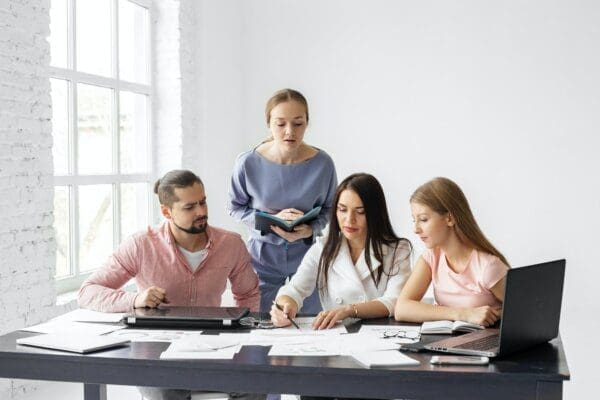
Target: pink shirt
{"type": "Point", "coordinates": [470, 288]}
{"type": "Point", "coordinates": [152, 258]}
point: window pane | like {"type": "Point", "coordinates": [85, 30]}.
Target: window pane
{"type": "Point", "coordinates": [133, 42]}
{"type": "Point", "coordinates": [94, 129]}
{"type": "Point", "coordinates": [60, 125]}
{"type": "Point", "coordinates": [95, 226]}
{"type": "Point", "coordinates": [58, 33]}
{"type": "Point", "coordinates": [134, 208]}
{"type": "Point", "coordinates": [61, 229]}
{"type": "Point", "coordinates": [93, 36]}
{"type": "Point", "coordinates": [133, 133]}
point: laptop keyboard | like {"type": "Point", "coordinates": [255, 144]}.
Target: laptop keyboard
{"type": "Point", "coordinates": [484, 343]}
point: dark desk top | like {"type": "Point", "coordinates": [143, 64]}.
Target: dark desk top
{"type": "Point", "coordinates": [252, 364]}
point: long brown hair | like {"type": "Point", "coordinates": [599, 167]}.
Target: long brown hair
{"type": "Point", "coordinates": [379, 228]}
{"type": "Point", "coordinates": [444, 196]}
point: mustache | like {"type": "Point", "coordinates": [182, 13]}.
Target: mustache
{"type": "Point", "coordinates": [201, 219]}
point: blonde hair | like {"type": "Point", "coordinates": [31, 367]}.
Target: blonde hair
{"type": "Point", "coordinates": [444, 196]}
{"type": "Point", "coordinates": [282, 96]}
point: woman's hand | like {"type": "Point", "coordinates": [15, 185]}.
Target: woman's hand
{"type": "Point", "coordinates": [485, 315]}
{"type": "Point", "coordinates": [289, 214]}
{"type": "Point", "coordinates": [290, 309]}
{"type": "Point", "coordinates": [302, 231]}
{"type": "Point", "coordinates": [328, 319]}
{"type": "Point", "coordinates": [151, 297]}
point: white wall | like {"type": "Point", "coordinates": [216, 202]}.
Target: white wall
{"type": "Point", "coordinates": [502, 97]}
{"type": "Point", "coordinates": [27, 243]}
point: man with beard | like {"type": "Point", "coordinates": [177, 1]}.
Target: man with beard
{"type": "Point", "coordinates": [182, 262]}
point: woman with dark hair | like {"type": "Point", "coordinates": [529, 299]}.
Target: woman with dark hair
{"type": "Point", "coordinates": [467, 272]}
{"type": "Point", "coordinates": [359, 268]}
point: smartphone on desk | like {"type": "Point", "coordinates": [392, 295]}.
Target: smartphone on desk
{"type": "Point", "coordinates": [459, 360]}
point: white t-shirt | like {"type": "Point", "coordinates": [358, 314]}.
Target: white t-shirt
{"type": "Point", "coordinates": [193, 258]}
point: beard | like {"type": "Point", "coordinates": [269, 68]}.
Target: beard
{"type": "Point", "coordinates": [195, 230]}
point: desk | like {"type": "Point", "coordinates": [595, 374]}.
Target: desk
{"type": "Point", "coordinates": [534, 374]}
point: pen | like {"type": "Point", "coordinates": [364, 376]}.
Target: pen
{"type": "Point", "coordinates": [291, 320]}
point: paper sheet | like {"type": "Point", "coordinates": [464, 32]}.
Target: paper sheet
{"type": "Point", "coordinates": [81, 328]}
{"type": "Point", "coordinates": [225, 354]}
{"type": "Point", "coordinates": [378, 331]}
{"type": "Point", "coordinates": [315, 348]}
{"type": "Point", "coordinates": [365, 342]}
{"type": "Point", "coordinates": [306, 329]}
{"type": "Point", "coordinates": [388, 358]}
{"type": "Point", "coordinates": [268, 340]}
{"type": "Point", "coordinates": [83, 315]}
{"type": "Point", "coordinates": [153, 335]}
{"type": "Point", "coordinates": [207, 347]}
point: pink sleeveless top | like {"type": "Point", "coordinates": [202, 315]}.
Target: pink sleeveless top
{"type": "Point", "coordinates": [470, 288]}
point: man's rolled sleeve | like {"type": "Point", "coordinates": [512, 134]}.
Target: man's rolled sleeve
{"type": "Point", "coordinates": [102, 290]}
{"type": "Point", "coordinates": [244, 281]}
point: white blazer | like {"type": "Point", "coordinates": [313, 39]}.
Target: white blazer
{"type": "Point", "coordinates": [348, 283]}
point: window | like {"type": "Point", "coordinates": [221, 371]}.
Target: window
{"type": "Point", "coordinates": [101, 97]}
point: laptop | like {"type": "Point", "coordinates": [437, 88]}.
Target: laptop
{"type": "Point", "coordinates": [186, 317]}
{"type": "Point", "coordinates": [72, 342]}
{"type": "Point", "coordinates": [530, 316]}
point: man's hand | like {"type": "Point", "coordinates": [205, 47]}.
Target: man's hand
{"type": "Point", "coordinates": [151, 297]}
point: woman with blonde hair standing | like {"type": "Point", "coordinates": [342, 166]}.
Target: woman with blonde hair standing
{"type": "Point", "coordinates": [286, 177]}
{"type": "Point", "coordinates": [467, 272]}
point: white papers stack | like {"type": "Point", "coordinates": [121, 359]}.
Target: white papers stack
{"type": "Point", "coordinates": [202, 347]}
{"type": "Point", "coordinates": [387, 358]}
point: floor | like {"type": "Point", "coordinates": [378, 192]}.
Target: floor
{"type": "Point", "coordinates": [74, 391]}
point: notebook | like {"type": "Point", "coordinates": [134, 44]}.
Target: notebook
{"type": "Point", "coordinates": [186, 317]}
{"type": "Point", "coordinates": [448, 327]}
{"type": "Point", "coordinates": [74, 343]}
{"type": "Point", "coordinates": [530, 316]}
{"type": "Point", "coordinates": [263, 220]}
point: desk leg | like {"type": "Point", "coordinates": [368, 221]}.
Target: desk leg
{"type": "Point", "coordinates": [549, 390]}
{"type": "Point", "coordinates": [92, 391]}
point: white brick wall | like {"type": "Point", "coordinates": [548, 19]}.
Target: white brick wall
{"type": "Point", "coordinates": [166, 75]}
{"type": "Point", "coordinates": [27, 243]}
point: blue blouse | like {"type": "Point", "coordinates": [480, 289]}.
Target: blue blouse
{"type": "Point", "coordinates": [260, 184]}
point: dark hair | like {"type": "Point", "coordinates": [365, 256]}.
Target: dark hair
{"type": "Point", "coordinates": [379, 228]}
{"type": "Point", "coordinates": [176, 179]}
{"type": "Point", "coordinates": [282, 96]}
{"type": "Point", "coordinates": [444, 196]}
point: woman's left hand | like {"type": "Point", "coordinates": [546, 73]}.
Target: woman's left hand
{"type": "Point", "coordinates": [328, 319]}
{"type": "Point", "coordinates": [300, 232]}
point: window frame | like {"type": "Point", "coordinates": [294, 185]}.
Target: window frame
{"type": "Point", "coordinates": [72, 180]}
